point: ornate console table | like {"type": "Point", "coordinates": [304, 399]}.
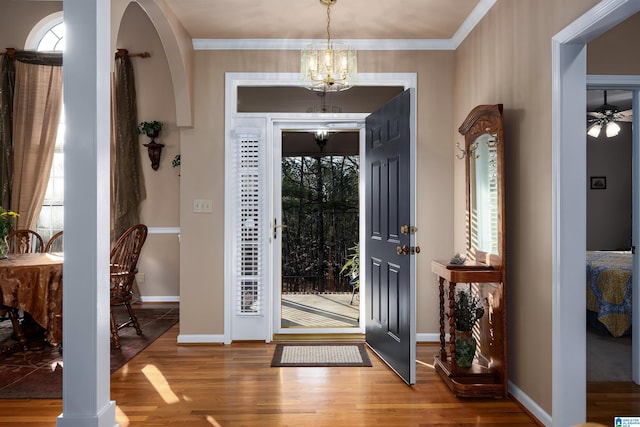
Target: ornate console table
{"type": "Point", "coordinates": [487, 377]}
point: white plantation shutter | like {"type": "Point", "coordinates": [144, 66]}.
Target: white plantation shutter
{"type": "Point", "coordinates": [250, 235]}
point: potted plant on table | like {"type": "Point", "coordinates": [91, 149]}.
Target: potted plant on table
{"type": "Point", "coordinates": [468, 310]}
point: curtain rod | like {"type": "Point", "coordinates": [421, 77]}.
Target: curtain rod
{"type": "Point", "coordinates": [11, 53]}
{"type": "Point", "coordinates": [124, 52]}
{"type": "Point", "coordinates": [35, 57]}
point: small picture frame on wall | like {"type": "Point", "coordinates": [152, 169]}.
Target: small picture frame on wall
{"type": "Point", "coordinates": [598, 182]}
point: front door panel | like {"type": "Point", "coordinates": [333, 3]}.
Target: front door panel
{"type": "Point", "coordinates": [390, 317]}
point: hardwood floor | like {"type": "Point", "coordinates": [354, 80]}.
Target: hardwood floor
{"type": "Point", "coordinates": [216, 385]}
{"type": "Point", "coordinates": [606, 400]}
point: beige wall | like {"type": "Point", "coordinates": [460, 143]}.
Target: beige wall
{"type": "Point", "coordinates": [17, 18]}
{"type": "Point", "coordinates": [616, 51]}
{"type": "Point", "coordinates": [160, 258]}
{"type": "Point", "coordinates": [203, 174]}
{"type": "Point", "coordinates": [507, 59]}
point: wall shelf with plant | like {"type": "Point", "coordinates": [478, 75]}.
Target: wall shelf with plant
{"type": "Point", "coordinates": [152, 130]}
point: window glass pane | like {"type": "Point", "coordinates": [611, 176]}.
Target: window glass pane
{"type": "Point", "coordinates": [53, 40]}
{"type": "Point", "coordinates": [44, 221]}
{"type": "Point", "coordinates": [59, 31]}
{"type": "Point", "coordinates": [52, 214]}
{"type": "Point", "coordinates": [56, 217]}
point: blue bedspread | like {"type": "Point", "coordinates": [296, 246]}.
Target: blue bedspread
{"type": "Point", "coordinates": [609, 289]}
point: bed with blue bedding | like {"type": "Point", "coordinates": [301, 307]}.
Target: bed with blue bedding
{"type": "Point", "coordinates": [609, 290]}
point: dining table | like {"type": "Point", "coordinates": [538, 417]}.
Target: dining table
{"type": "Point", "coordinates": [32, 283]}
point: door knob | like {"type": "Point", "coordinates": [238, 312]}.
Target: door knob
{"type": "Point", "coordinates": [402, 250]}
{"type": "Point", "coordinates": [406, 229]}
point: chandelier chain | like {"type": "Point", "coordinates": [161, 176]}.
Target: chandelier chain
{"type": "Point", "coordinates": [329, 26]}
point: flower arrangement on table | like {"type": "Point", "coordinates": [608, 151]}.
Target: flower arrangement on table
{"type": "Point", "coordinates": [469, 310]}
{"type": "Point", "coordinates": [6, 225]}
{"type": "Point", "coordinates": [6, 221]}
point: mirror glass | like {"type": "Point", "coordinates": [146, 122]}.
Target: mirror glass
{"type": "Point", "coordinates": [483, 194]}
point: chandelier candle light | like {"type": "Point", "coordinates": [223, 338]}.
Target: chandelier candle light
{"type": "Point", "coordinates": [328, 66]}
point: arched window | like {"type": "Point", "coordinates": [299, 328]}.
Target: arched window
{"type": "Point", "coordinates": [48, 35]}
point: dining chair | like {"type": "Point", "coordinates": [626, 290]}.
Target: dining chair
{"type": "Point", "coordinates": [124, 261]}
{"type": "Point", "coordinates": [24, 241]}
{"type": "Point", "coordinates": [55, 243]}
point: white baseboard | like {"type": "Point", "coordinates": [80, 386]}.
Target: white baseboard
{"type": "Point", "coordinates": [160, 298]}
{"type": "Point", "coordinates": [200, 339]}
{"type": "Point", "coordinates": [431, 338]}
{"type": "Point", "coordinates": [528, 403]}
{"type": "Point", "coordinates": [164, 230]}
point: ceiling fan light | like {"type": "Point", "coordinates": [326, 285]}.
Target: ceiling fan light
{"type": "Point", "coordinates": [612, 129]}
{"type": "Point", "coordinates": [594, 130]}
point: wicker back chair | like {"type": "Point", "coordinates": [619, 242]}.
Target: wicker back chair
{"type": "Point", "coordinates": [124, 261]}
{"type": "Point", "coordinates": [24, 242]}
{"type": "Point", "coordinates": [55, 243]}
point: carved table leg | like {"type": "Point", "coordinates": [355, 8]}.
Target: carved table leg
{"type": "Point", "coordinates": [17, 329]}
{"type": "Point", "coordinates": [443, 351]}
{"type": "Point", "coordinates": [452, 325]}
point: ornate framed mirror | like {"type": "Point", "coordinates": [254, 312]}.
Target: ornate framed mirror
{"type": "Point", "coordinates": [484, 267]}
{"type": "Point", "coordinates": [484, 163]}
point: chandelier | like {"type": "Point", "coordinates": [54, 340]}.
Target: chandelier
{"type": "Point", "coordinates": [321, 136]}
{"type": "Point", "coordinates": [328, 66]}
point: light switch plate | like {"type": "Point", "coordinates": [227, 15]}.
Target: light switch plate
{"type": "Point", "coordinates": [202, 205]}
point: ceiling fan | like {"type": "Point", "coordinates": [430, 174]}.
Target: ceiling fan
{"type": "Point", "coordinates": [606, 116]}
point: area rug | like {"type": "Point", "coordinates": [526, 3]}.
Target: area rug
{"type": "Point", "coordinates": [38, 374]}
{"type": "Point", "coordinates": [320, 355]}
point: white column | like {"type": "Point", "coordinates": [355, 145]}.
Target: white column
{"type": "Point", "coordinates": [86, 376]}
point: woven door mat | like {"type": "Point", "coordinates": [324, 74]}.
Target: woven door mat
{"type": "Point", "coordinates": [320, 355]}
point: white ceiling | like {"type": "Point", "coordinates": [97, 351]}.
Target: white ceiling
{"type": "Point", "coordinates": [618, 98]}
{"type": "Point", "coordinates": [307, 19]}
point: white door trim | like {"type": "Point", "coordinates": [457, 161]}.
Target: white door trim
{"type": "Point", "coordinates": [632, 84]}
{"type": "Point", "coordinates": [351, 122]}
{"type": "Point", "coordinates": [232, 82]}
{"type": "Point", "coordinates": [569, 70]}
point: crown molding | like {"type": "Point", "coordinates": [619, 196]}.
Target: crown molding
{"type": "Point", "coordinates": [472, 20]}
{"type": "Point", "coordinates": [299, 44]}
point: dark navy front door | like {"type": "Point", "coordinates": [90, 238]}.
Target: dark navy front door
{"type": "Point", "coordinates": [390, 284]}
